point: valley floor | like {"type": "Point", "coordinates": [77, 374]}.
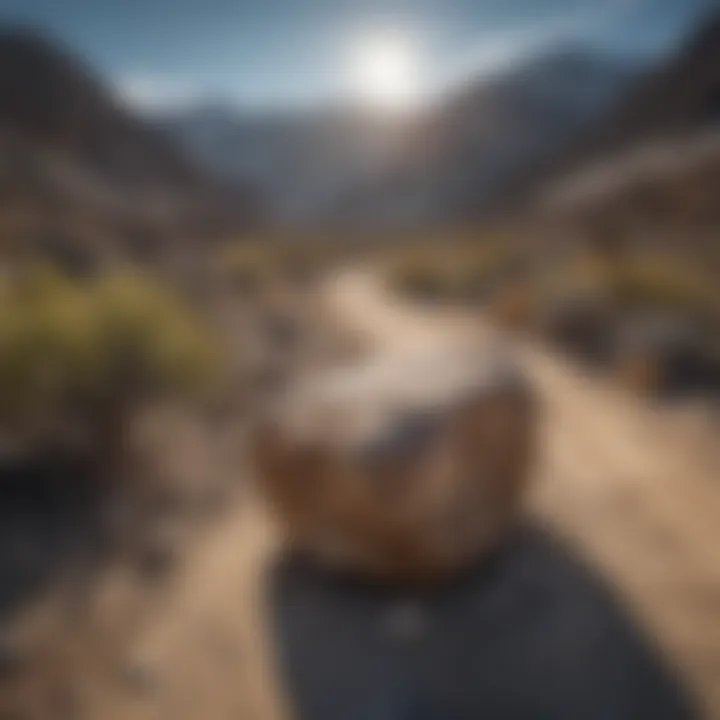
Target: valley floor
{"type": "Point", "coordinates": [634, 487]}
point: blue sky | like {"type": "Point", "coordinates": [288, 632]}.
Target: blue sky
{"type": "Point", "coordinates": [288, 52]}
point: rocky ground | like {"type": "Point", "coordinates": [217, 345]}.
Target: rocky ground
{"type": "Point", "coordinates": [635, 487]}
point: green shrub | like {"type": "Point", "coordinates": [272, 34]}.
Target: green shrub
{"type": "Point", "coordinates": [46, 344]}
{"type": "Point", "coordinates": [146, 340]}
{"type": "Point", "coordinates": [252, 266]}
{"type": "Point", "coordinates": [90, 354]}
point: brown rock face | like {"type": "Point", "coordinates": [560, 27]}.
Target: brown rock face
{"type": "Point", "coordinates": [404, 469]}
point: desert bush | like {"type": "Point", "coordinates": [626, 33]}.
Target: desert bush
{"type": "Point", "coordinates": [484, 272]}
{"type": "Point", "coordinates": [85, 356]}
{"type": "Point", "coordinates": [147, 339]}
{"type": "Point", "coordinates": [648, 314]}
{"type": "Point", "coordinates": [301, 261]}
{"type": "Point", "coordinates": [661, 285]}
{"type": "Point", "coordinates": [249, 267]}
{"type": "Point", "coordinates": [419, 280]}
{"type": "Point", "coordinates": [456, 273]}
{"type": "Point", "coordinates": [45, 344]}
{"type": "Point", "coordinates": [253, 266]}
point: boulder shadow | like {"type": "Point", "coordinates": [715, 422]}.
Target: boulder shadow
{"type": "Point", "coordinates": [530, 632]}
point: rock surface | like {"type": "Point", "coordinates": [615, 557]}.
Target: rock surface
{"type": "Point", "coordinates": [406, 466]}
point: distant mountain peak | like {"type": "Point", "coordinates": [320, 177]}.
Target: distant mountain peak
{"type": "Point", "coordinates": [24, 41]}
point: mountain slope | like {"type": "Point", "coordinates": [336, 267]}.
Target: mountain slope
{"type": "Point", "coordinates": [71, 155]}
{"type": "Point", "coordinates": [661, 142]}
{"type": "Point", "coordinates": [681, 96]}
{"type": "Point", "coordinates": [51, 99]}
{"type": "Point", "coordinates": [480, 148]}
{"type": "Point", "coordinates": [341, 164]}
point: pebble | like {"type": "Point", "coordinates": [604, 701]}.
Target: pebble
{"type": "Point", "coordinates": [139, 677]}
{"type": "Point", "coordinates": [405, 621]}
{"type": "Point", "coordinates": [13, 653]}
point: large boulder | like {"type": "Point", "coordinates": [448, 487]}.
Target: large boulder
{"type": "Point", "coordinates": [406, 467]}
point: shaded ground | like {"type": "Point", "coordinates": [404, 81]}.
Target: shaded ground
{"type": "Point", "coordinates": [528, 633]}
{"type": "Point", "coordinates": [46, 523]}
{"type": "Point", "coordinates": [636, 487]}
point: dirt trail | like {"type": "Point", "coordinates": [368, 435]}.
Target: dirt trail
{"type": "Point", "coordinates": [637, 489]}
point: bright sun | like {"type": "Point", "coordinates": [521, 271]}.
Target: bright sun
{"type": "Point", "coordinates": [385, 72]}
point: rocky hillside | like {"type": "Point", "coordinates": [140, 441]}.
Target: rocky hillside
{"type": "Point", "coordinates": [51, 99]}
{"type": "Point", "coordinates": [660, 142]}
{"type": "Point", "coordinates": [74, 161]}
{"type": "Point", "coordinates": [681, 96]}
{"type": "Point", "coordinates": [345, 165]}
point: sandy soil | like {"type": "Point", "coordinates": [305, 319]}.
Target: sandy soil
{"type": "Point", "coordinates": [634, 485]}
{"type": "Point", "coordinates": [636, 488]}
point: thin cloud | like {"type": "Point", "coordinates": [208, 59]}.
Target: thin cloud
{"type": "Point", "coordinates": [153, 92]}
{"type": "Point", "coordinates": [505, 49]}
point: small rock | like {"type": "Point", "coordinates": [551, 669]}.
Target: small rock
{"type": "Point", "coordinates": [155, 563]}
{"type": "Point", "coordinates": [159, 552]}
{"type": "Point", "coordinates": [405, 621]}
{"type": "Point", "coordinates": [13, 654]}
{"type": "Point", "coordinates": [139, 677]}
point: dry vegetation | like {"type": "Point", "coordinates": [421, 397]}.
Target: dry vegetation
{"type": "Point", "coordinates": [648, 313]}
{"type": "Point", "coordinates": [92, 359]}
{"type": "Point", "coordinates": [89, 353]}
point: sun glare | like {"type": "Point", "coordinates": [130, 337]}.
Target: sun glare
{"type": "Point", "coordinates": [385, 72]}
